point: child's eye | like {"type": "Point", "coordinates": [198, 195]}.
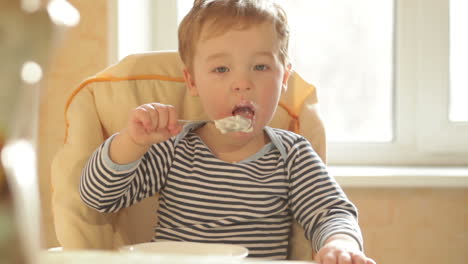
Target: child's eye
{"type": "Point", "coordinates": [261, 67]}
{"type": "Point", "coordinates": [221, 69]}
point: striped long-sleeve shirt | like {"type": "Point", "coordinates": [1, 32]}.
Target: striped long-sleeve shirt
{"type": "Point", "coordinates": [204, 199]}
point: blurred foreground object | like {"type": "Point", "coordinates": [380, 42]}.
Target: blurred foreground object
{"type": "Point", "coordinates": [28, 31]}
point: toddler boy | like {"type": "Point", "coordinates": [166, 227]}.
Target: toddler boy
{"type": "Point", "coordinates": [239, 188]}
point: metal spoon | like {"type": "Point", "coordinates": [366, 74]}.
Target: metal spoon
{"type": "Point", "coordinates": [228, 124]}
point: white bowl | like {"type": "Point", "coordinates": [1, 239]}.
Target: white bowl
{"type": "Point", "coordinates": [188, 248]}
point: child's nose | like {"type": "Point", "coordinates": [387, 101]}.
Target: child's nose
{"type": "Point", "coordinates": [242, 86]}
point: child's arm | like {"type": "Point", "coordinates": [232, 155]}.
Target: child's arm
{"type": "Point", "coordinates": [108, 184]}
{"type": "Point", "coordinates": [320, 206]}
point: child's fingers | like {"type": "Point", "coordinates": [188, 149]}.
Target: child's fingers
{"type": "Point", "coordinates": [344, 258]}
{"type": "Point", "coordinates": [173, 121]}
{"type": "Point", "coordinates": [162, 113]}
{"type": "Point", "coordinates": [142, 117]}
{"type": "Point", "coordinates": [152, 114]}
{"type": "Point", "coordinates": [328, 258]}
{"type": "Point", "coordinates": [359, 258]}
{"type": "Point", "coordinates": [156, 121]}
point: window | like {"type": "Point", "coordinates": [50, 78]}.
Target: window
{"type": "Point", "coordinates": [146, 25]}
{"type": "Point", "coordinates": [131, 40]}
{"type": "Point", "coordinates": [390, 74]}
{"type": "Point", "coordinates": [353, 67]}
{"type": "Point", "coordinates": [458, 61]}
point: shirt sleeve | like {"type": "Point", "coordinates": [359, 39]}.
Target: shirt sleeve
{"type": "Point", "coordinates": [108, 187]}
{"type": "Point", "coordinates": [316, 200]}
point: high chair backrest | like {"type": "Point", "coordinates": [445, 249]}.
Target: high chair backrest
{"type": "Point", "coordinates": [100, 106]}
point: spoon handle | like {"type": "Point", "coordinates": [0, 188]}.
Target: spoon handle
{"type": "Point", "coordinates": [182, 121]}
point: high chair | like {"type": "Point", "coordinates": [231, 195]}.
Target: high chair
{"type": "Point", "coordinates": [100, 106]}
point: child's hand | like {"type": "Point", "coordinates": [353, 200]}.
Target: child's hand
{"type": "Point", "coordinates": [341, 249]}
{"type": "Point", "coordinates": [152, 123]}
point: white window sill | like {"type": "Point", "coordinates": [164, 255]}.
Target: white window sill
{"type": "Point", "coordinates": [406, 177]}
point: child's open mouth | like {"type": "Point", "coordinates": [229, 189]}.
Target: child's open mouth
{"type": "Point", "coordinates": [244, 110]}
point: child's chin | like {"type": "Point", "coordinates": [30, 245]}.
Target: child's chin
{"type": "Point", "coordinates": [241, 134]}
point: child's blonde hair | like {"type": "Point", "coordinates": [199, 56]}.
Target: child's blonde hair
{"type": "Point", "coordinates": [223, 15]}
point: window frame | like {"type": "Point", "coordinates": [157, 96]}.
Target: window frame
{"type": "Point", "coordinates": [434, 60]}
{"type": "Point", "coordinates": [423, 134]}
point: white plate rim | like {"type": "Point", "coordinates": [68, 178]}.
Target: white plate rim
{"type": "Point", "coordinates": [237, 250]}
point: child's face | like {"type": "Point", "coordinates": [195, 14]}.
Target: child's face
{"type": "Point", "coordinates": [239, 73]}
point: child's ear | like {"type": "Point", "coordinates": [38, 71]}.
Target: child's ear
{"type": "Point", "coordinates": [190, 82]}
{"type": "Point", "coordinates": [286, 75]}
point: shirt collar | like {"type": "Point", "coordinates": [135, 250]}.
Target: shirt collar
{"type": "Point", "coordinates": [275, 139]}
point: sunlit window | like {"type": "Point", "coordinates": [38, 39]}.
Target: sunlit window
{"type": "Point", "coordinates": [183, 7]}
{"type": "Point", "coordinates": [458, 60]}
{"type": "Point", "coordinates": [345, 49]}
{"type": "Point", "coordinates": [134, 35]}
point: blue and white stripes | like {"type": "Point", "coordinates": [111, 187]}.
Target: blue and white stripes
{"type": "Point", "coordinates": [204, 199]}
